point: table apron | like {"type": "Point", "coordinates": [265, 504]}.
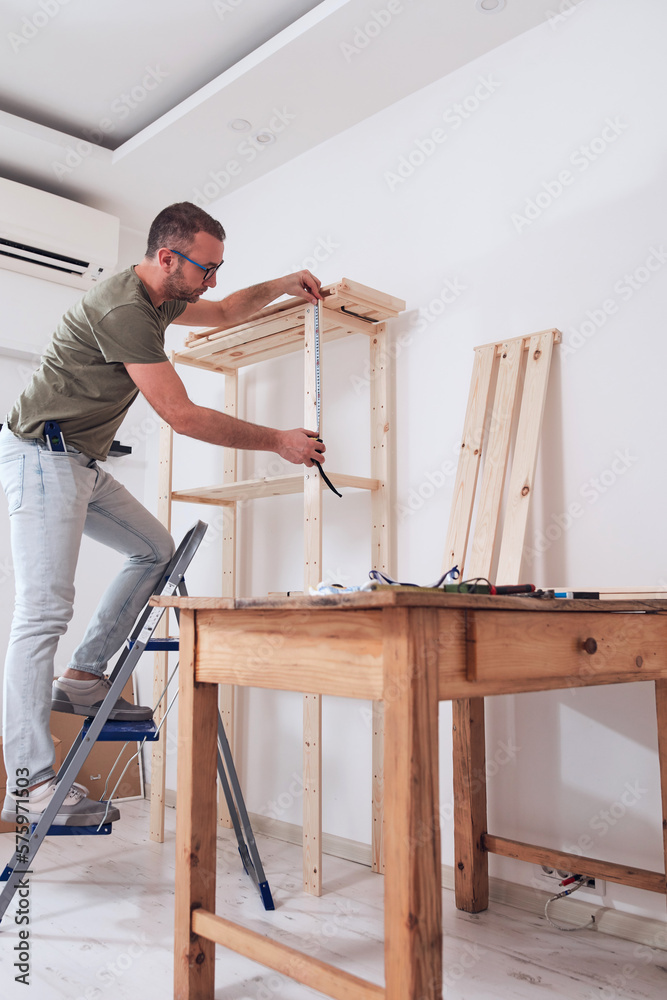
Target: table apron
{"type": "Point", "coordinates": [323, 652]}
{"type": "Point", "coordinates": [478, 653]}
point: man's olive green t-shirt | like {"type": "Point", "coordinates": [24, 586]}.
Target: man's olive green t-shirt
{"type": "Point", "coordinates": [82, 381]}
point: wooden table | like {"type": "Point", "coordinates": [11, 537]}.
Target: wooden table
{"type": "Point", "coordinates": [410, 649]}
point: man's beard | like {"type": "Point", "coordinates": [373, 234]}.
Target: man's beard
{"type": "Point", "coordinates": [177, 290]}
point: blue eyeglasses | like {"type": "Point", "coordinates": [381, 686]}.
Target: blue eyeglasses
{"type": "Point", "coordinates": [208, 271]}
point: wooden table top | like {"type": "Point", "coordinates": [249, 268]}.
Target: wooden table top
{"type": "Point", "coordinates": [408, 597]}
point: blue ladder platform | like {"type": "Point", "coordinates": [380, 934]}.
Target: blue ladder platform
{"type": "Point", "coordinates": [169, 644]}
{"type": "Point", "coordinates": [64, 831]}
{"type": "Point", "coordinates": [128, 732]}
{"type": "Point", "coordinates": [76, 831]}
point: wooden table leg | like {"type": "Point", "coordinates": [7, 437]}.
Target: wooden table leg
{"type": "Point", "coordinates": [471, 861]}
{"type": "Point", "coordinates": [661, 708]}
{"type": "Point", "coordinates": [377, 839]}
{"type": "Point", "coordinates": [413, 892]}
{"type": "Point", "coordinates": [194, 957]}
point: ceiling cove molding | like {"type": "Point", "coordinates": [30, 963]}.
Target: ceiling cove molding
{"type": "Point", "coordinates": [50, 136]}
{"type": "Point", "coordinates": [235, 72]}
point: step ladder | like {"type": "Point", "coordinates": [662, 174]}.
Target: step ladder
{"type": "Point", "coordinates": [98, 727]}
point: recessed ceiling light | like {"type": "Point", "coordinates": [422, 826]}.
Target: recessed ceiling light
{"type": "Point", "coordinates": [490, 6]}
{"type": "Point", "coordinates": [240, 125]}
{"type": "Point", "coordinates": [264, 137]}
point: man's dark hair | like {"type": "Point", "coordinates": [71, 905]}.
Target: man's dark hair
{"type": "Point", "coordinates": [177, 225]}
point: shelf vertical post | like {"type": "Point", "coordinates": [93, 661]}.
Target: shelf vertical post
{"type": "Point", "coordinates": [312, 703]}
{"type": "Point", "coordinates": [230, 461]}
{"type": "Point", "coordinates": [380, 555]}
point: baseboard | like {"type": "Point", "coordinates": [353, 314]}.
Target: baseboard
{"type": "Point", "coordinates": [577, 912]}
{"type": "Point", "coordinates": [569, 911]}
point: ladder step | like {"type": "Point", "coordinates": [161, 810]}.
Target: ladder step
{"type": "Point", "coordinates": [154, 645]}
{"type": "Point", "coordinates": [76, 831]}
{"type": "Point", "coordinates": [127, 732]}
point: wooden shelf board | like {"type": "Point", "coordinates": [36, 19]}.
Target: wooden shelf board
{"type": "Point", "coordinates": [280, 328]}
{"type": "Point", "coordinates": [271, 486]}
{"type": "Point", "coordinates": [224, 358]}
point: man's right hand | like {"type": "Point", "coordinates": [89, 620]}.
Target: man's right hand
{"type": "Point", "coordinates": [301, 446]}
{"type": "Point", "coordinates": [165, 392]}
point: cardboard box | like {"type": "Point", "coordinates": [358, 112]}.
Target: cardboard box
{"type": "Point", "coordinates": [9, 827]}
{"type": "Point", "coordinates": [102, 757]}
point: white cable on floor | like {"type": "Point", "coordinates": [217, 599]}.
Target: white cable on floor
{"type": "Point", "coordinates": [139, 748]}
{"type": "Point", "coordinates": [567, 892]}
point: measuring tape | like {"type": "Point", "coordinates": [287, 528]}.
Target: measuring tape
{"type": "Point", "coordinates": [318, 402]}
{"type": "Point", "coordinates": [317, 365]}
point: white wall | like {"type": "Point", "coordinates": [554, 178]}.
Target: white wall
{"type": "Point", "coordinates": [451, 222]}
{"type": "Point", "coordinates": [31, 308]}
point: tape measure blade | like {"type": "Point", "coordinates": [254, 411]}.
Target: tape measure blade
{"type": "Point", "coordinates": [317, 365]}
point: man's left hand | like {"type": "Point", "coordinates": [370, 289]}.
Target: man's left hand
{"type": "Point", "coordinates": [304, 285]}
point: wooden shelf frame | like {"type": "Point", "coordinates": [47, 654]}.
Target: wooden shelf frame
{"type": "Point", "coordinates": [269, 486]}
{"type": "Point", "coordinates": [348, 309]}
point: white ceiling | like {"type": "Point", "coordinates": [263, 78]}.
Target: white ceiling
{"type": "Point", "coordinates": [126, 105]}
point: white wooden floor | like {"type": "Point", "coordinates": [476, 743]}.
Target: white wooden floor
{"type": "Point", "coordinates": [102, 921]}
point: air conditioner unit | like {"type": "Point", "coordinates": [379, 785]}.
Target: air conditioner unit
{"type": "Point", "coordinates": [54, 238]}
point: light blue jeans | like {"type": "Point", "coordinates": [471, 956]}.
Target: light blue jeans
{"type": "Point", "coordinates": [54, 498]}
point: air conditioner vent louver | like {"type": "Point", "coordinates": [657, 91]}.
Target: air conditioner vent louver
{"type": "Point", "coordinates": [37, 256]}
{"type": "Point", "coordinates": [51, 237]}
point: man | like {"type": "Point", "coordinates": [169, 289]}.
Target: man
{"type": "Point", "coordinates": [106, 349]}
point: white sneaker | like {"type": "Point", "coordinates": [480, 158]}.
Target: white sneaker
{"type": "Point", "coordinates": [76, 810]}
